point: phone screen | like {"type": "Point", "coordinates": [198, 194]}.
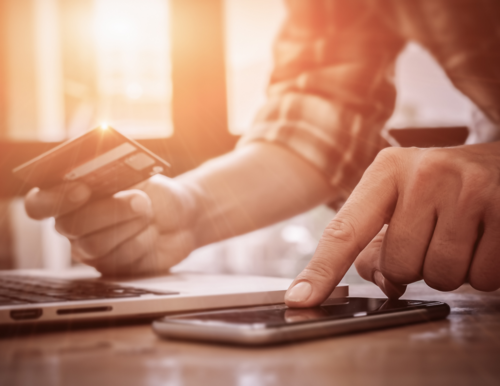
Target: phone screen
{"type": "Point", "coordinates": [279, 315]}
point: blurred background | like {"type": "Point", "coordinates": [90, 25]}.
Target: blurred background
{"type": "Point", "coordinates": [185, 77]}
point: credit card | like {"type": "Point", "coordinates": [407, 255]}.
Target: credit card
{"type": "Point", "coordinates": [103, 158]}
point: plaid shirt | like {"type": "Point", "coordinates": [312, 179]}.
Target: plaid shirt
{"type": "Point", "coordinates": [332, 88]}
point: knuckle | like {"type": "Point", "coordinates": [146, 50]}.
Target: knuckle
{"type": "Point", "coordinates": [476, 180]}
{"type": "Point", "coordinates": [397, 155]}
{"type": "Point", "coordinates": [390, 155]}
{"type": "Point", "coordinates": [471, 177]}
{"type": "Point", "coordinates": [478, 174]}
{"type": "Point", "coordinates": [340, 230]}
{"type": "Point", "coordinates": [430, 161]}
{"type": "Point", "coordinates": [388, 160]}
{"type": "Point", "coordinates": [390, 165]}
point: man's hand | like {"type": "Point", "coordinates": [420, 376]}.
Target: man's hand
{"type": "Point", "coordinates": [135, 232]}
{"type": "Point", "coordinates": [151, 228]}
{"type": "Point", "coordinates": [442, 207]}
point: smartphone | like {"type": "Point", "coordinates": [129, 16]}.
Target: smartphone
{"type": "Point", "coordinates": [254, 326]}
{"type": "Point", "coordinates": [103, 158]}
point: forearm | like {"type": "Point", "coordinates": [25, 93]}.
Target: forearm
{"type": "Point", "coordinates": [250, 188]}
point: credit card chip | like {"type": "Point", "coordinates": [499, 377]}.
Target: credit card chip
{"type": "Point", "coordinates": [139, 161]}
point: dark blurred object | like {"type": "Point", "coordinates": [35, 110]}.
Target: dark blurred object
{"type": "Point", "coordinates": [430, 137]}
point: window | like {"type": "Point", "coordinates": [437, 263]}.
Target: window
{"type": "Point", "coordinates": [251, 26]}
{"type": "Point", "coordinates": [74, 64]}
{"type": "Point", "coordinates": [133, 66]}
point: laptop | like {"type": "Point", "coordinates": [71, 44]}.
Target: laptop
{"type": "Point", "coordinates": [108, 162]}
{"type": "Point", "coordinates": [80, 295]}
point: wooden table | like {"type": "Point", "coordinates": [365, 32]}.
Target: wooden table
{"type": "Point", "coordinates": [462, 350]}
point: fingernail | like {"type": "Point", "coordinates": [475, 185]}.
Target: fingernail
{"type": "Point", "coordinates": [299, 292]}
{"type": "Point", "coordinates": [139, 204]}
{"type": "Point", "coordinates": [78, 194]}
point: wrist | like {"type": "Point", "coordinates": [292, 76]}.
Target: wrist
{"type": "Point", "coordinates": [193, 203]}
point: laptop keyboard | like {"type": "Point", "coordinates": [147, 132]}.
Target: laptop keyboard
{"type": "Point", "coordinates": [17, 290]}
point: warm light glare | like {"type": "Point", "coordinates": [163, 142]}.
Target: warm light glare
{"type": "Point", "coordinates": [133, 66]}
{"type": "Point", "coordinates": [104, 126]}
{"type": "Point", "coordinates": [251, 26]}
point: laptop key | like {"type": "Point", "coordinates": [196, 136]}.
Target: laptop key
{"type": "Point", "coordinates": [25, 289]}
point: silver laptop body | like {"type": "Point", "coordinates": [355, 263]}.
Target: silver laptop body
{"type": "Point", "coordinates": [37, 296]}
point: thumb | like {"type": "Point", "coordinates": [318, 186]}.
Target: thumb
{"type": "Point", "coordinates": [355, 225]}
{"type": "Point", "coordinates": [57, 201]}
{"type": "Point", "coordinates": [368, 266]}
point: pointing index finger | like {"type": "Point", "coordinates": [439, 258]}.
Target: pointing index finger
{"type": "Point", "coordinates": [354, 226]}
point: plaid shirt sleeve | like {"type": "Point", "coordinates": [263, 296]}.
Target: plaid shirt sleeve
{"type": "Point", "coordinates": [331, 90]}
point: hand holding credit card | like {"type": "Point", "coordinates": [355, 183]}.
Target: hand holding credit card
{"type": "Point", "coordinates": [136, 231]}
{"type": "Point", "coordinates": [104, 159]}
